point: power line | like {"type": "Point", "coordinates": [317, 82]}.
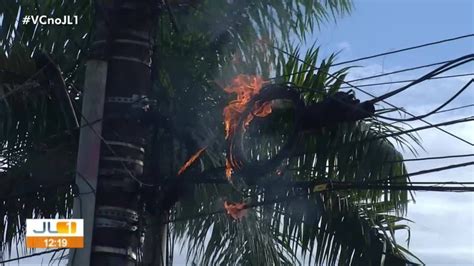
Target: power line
{"type": "Point", "coordinates": [92, 189]}
{"type": "Point", "coordinates": [437, 111]}
{"type": "Point", "coordinates": [25, 85]}
{"type": "Point", "coordinates": [364, 185]}
{"type": "Point", "coordinates": [201, 180]}
{"type": "Point", "coordinates": [398, 71]}
{"type": "Point", "coordinates": [427, 171]}
{"type": "Point", "coordinates": [408, 80]}
{"type": "Point", "coordinates": [378, 137]}
{"type": "Point", "coordinates": [378, 75]}
{"type": "Point", "coordinates": [45, 188]}
{"type": "Point", "coordinates": [403, 187]}
{"type": "Point", "coordinates": [32, 255]}
{"type": "Point", "coordinates": [109, 147]}
{"type": "Point", "coordinates": [437, 183]}
{"type": "Point", "coordinates": [305, 184]}
{"type": "Point", "coordinates": [330, 186]}
{"type": "Point", "coordinates": [371, 95]}
{"type": "Point", "coordinates": [434, 110]}
{"type": "Point", "coordinates": [445, 67]}
{"type": "Point", "coordinates": [397, 161]}
{"type": "Point", "coordinates": [424, 121]}
{"type": "Point", "coordinates": [308, 184]}
{"type": "Point", "coordinates": [405, 49]}
{"type": "Point", "coordinates": [433, 158]}
{"type": "Point", "coordinates": [412, 115]}
{"type": "Point", "coordinates": [447, 123]}
{"type": "Point", "coordinates": [90, 124]}
{"type": "Point", "coordinates": [66, 131]}
{"type": "Point", "coordinates": [247, 206]}
{"type": "Point", "coordinates": [456, 108]}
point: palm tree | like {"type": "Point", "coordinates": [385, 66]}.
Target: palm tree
{"type": "Point", "coordinates": [200, 46]}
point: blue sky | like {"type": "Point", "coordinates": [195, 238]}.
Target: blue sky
{"type": "Point", "coordinates": [443, 230]}
{"type": "Point", "coordinates": [378, 26]}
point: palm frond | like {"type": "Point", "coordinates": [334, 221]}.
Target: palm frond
{"type": "Point", "coordinates": [35, 132]}
{"type": "Point", "coordinates": [351, 226]}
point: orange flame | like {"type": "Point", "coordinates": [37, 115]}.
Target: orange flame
{"type": "Point", "coordinates": [245, 87]}
{"type": "Point", "coordinates": [236, 210]}
{"type": "Point", "coordinates": [228, 169]}
{"type": "Point", "coordinates": [191, 160]}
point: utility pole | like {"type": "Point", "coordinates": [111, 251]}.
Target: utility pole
{"type": "Point", "coordinates": [120, 62]}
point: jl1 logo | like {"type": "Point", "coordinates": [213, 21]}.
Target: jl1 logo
{"type": "Point", "coordinates": [61, 228]}
{"type": "Point", "coordinates": [55, 233]}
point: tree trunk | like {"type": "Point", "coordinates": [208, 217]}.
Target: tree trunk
{"type": "Point", "coordinates": [123, 39]}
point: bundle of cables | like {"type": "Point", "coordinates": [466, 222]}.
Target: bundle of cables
{"type": "Point", "coordinates": [333, 109]}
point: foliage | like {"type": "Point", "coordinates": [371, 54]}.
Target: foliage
{"type": "Point", "coordinates": [198, 48]}
{"type": "Point", "coordinates": [348, 226]}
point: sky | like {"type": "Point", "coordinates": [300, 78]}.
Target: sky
{"type": "Point", "coordinates": [442, 232]}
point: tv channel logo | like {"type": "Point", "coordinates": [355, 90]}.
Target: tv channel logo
{"type": "Point", "coordinates": [54, 233]}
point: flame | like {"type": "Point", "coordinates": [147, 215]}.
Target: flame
{"type": "Point", "coordinates": [245, 86]}
{"type": "Point", "coordinates": [236, 210]}
{"type": "Point", "coordinates": [191, 160]}
{"type": "Point", "coordinates": [228, 169]}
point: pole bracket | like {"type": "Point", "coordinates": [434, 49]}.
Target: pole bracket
{"type": "Point", "coordinates": [117, 213]}
{"type": "Point", "coordinates": [137, 101]}
{"type": "Point", "coordinates": [111, 223]}
{"type": "Point", "coordinates": [114, 250]}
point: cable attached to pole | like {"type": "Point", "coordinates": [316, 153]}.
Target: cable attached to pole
{"type": "Point", "coordinates": [32, 255]}
{"type": "Point", "coordinates": [405, 49]}
{"type": "Point", "coordinates": [448, 66]}
{"type": "Point", "coordinates": [431, 112]}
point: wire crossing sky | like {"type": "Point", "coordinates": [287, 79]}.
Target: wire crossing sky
{"type": "Point", "coordinates": [383, 26]}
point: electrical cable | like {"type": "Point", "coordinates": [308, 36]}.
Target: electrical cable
{"type": "Point", "coordinates": [124, 166]}
{"type": "Point", "coordinates": [382, 75]}
{"type": "Point", "coordinates": [32, 255]}
{"type": "Point", "coordinates": [426, 171]}
{"type": "Point", "coordinates": [384, 101]}
{"type": "Point", "coordinates": [24, 86]}
{"type": "Point", "coordinates": [409, 80]}
{"type": "Point", "coordinates": [236, 158]}
{"type": "Point", "coordinates": [43, 188]}
{"type": "Point", "coordinates": [402, 161]}
{"type": "Point", "coordinates": [431, 112]}
{"type": "Point", "coordinates": [306, 184]}
{"type": "Point", "coordinates": [455, 108]}
{"type": "Point", "coordinates": [371, 95]}
{"type": "Point", "coordinates": [331, 186]}
{"type": "Point", "coordinates": [398, 71]}
{"type": "Point", "coordinates": [201, 180]}
{"type": "Point", "coordinates": [445, 67]}
{"type": "Point", "coordinates": [446, 123]}
{"type": "Point", "coordinates": [432, 158]}
{"type": "Point", "coordinates": [405, 49]}
{"type": "Point", "coordinates": [424, 121]}
{"type": "Point", "coordinates": [386, 53]}
{"type": "Point", "coordinates": [66, 131]}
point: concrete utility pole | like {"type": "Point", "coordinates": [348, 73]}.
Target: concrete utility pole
{"type": "Point", "coordinates": [118, 81]}
{"type": "Point", "coordinates": [88, 155]}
